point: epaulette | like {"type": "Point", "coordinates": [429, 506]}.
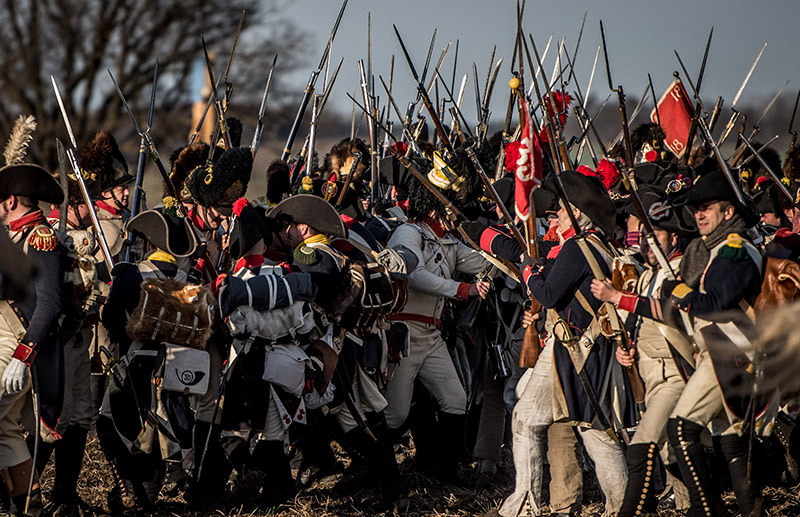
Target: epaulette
{"type": "Point", "coordinates": [306, 256]}
{"type": "Point", "coordinates": [43, 238]}
{"type": "Point", "coordinates": [733, 249]}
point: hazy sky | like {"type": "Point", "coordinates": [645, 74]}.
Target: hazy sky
{"type": "Point", "coordinates": [641, 36]}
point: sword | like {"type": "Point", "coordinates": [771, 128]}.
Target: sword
{"type": "Point", "coordinates": [87, 198]}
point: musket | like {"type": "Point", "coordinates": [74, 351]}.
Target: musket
{"type": "Point", "coordinates": [260, 122]}
{"type": "Point", "coordinates": [302, 155]}
{"type": "Point", "coordinates": [196, 133]}
{"type": "Point", "coordinates": [693, 125]}
{"type": "Point", "coordinates": [138, 192]}
{"type": "Point", "coordinates": [221, 128]}
{"type": "Point", "coordinates": [455, 104]}
{"type": "Point", "coordinates": [309, 90]}
{"type": "Point", "coordinates": [151, 146]}
{"type": "Point", "coordinates": [456, 217]}
{"type": "Point", "coordinates": [87, 198]}
{"type": "Point", "coordinates": [760, 149]}
{"type": "Point", "coordinates": [349, 179]}
{"type": "Point", "coordinates": [226, 80]}
{"type": "Point", "coordinates": [710, 140]}
{"type": "Point", "coordinates": [734, 112]}
{"type": "Point", "coordinates": [737, 155]}
{"type": "Point", "coordinates": [432, 83]}
{"type": "Point", "coordinates": [483, 122]}
{"type": "Point", "coordinates": [620, 336]}
{"type": "Point", "coordinates": [791, 123]}
{"type": "Point", "coordinates": [767, 168]}
{"type": "Point", "coordinates": [369, 102]}
{"type": "Point", "coordinates": [623, 114]}
{"type": "Point", "coordinates": [459, 99]}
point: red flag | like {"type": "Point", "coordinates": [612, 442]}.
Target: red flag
{"type": "Point", "coordinates": [524, 159]}
{"type": "Point", "coordinates": [674, 111]}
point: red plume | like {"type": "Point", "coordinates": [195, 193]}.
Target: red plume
{"type": "Point", "coordinates": [239, 205]}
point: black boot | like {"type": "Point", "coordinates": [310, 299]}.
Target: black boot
{"type": "Point", "coordinates": [209, 482]}
{"type": "Point", "coordinates": [382, 463]}
{"type": "Point", "coordinates": [35, 506]}
{"type": "Point", "coordinates": [5, 500]}
{"type": "Point", "coordinates": [684, 437]}
{"type": "Point", "coordinates": [68, 461]}
{"type": "Point", "coordinates": [451, 447]}
{"type": "Point", "coordinates": [748, 492]}
{"type": "Point", "coordinates": [278, 486]}
{"type": "Point", "coordinates": [640, 495]}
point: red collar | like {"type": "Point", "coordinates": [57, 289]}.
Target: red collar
{"type": "Point", "coordinates": [248, 262]}
{"type": "Point", "coordinates": [108, 208]}
{"type": "Point", "coordinates": [347, 220]}
{"type": "Point", "coordinates": [195, 218]}
{"type": "Point", "coordinates": [436, 227]}
{"type": "Point", "coordinates": [27, 220]}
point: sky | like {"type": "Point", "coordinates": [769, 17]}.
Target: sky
{"type": "Point", "coordinates": [640, 34]}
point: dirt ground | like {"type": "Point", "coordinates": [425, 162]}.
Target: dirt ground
{"type": "Point", "coordinates": [346, 495]}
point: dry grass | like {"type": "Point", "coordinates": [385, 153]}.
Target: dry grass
{"type": "Point", "coordinates": [359, 498]}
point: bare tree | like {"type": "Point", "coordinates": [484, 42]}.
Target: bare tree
{"type": "Point", "coordinates": [76, 40]}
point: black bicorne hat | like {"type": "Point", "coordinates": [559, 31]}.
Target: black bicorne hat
{"type": "Point", "coordinates": [313, 211]}
{"type": "Point", "coordinates": [165, 231]}
{"type": "Point", "coordinates": [589, 195]}
{"type": "Point", "coordinates": [249, 226]}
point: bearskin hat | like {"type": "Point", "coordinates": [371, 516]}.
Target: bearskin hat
{"type": "Point", "coordinates": [340, 159]}
{"type": "Point", "coordinates": [183, 161]}
{"type": "Point", "coordinates": [278, 181]}
{"type": "Point", "coordinates": [224, 181]}
{"type": "Point", "coordinates": [102, 161]}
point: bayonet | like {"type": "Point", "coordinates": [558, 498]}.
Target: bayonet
{"type": "Point", "coordinates": [478, 107]}
{"type": "Point", "coordinates": [76, 170]}
{"type": "Point", "coordinates": [710, 140]}
{"type": "Point", "coordinates": [455, 104]}
{"type": "Point", "coordinates": [756, 127]}
{"type": "Point", "coordinates": [193, 137]}
{"type": "Point", "coordinates": [262, 107]}
{"type": "Point", "coordinates": [309, 90]}
{"type": "Point", "coordinates": [222, 126]}
{"type": "Point", "coordinates": [655, 99]}
{"type": "Point", "coordinates": [455, 67]}
{"type": "Point", "coordinates": [138, 193]}
{"type": "Point", "coordinates": [734, 112]}
{"type": "Point", "coordinates": [227, 82]}
{"type": "Point", "coordinates": [424, 95]}
{"type": "Point", "coordinates": [489, 70]}
{"type": "Point", "coordinates": [150, 144]}
{"type": "Point", "coordinates": [432, 81]}
{"type": "Point", "coordinates": [577, 46]}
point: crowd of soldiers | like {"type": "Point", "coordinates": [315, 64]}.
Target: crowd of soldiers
{"type": "Point", "coordinates": [222, 341]}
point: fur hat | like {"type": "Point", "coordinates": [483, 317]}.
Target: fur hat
{"type": "Point", "coordinates": [165, 231]}
{"type": "Point", "coordinates": [183, 161]}
{"type": "Point", "coordinates": [102, 161]}
{"type": "Point", "coordinates": [313, 211]}
{"type": "Point", "coordinates": [341, 157]}
{"type": "Point", "coordinates": [278, 181]}
{"type": "Point", "coordinates": [26, 179]}
{"type": "Point", "coordinates": [224, 181]}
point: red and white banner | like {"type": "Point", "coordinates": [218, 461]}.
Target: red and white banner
{"type": "Point", "coordinates": [525, 157]}
{"type": "Point", "coordinates": [674, 112]}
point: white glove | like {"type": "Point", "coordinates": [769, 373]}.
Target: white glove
{"type": "Point", "coordinates": [14, 376]}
